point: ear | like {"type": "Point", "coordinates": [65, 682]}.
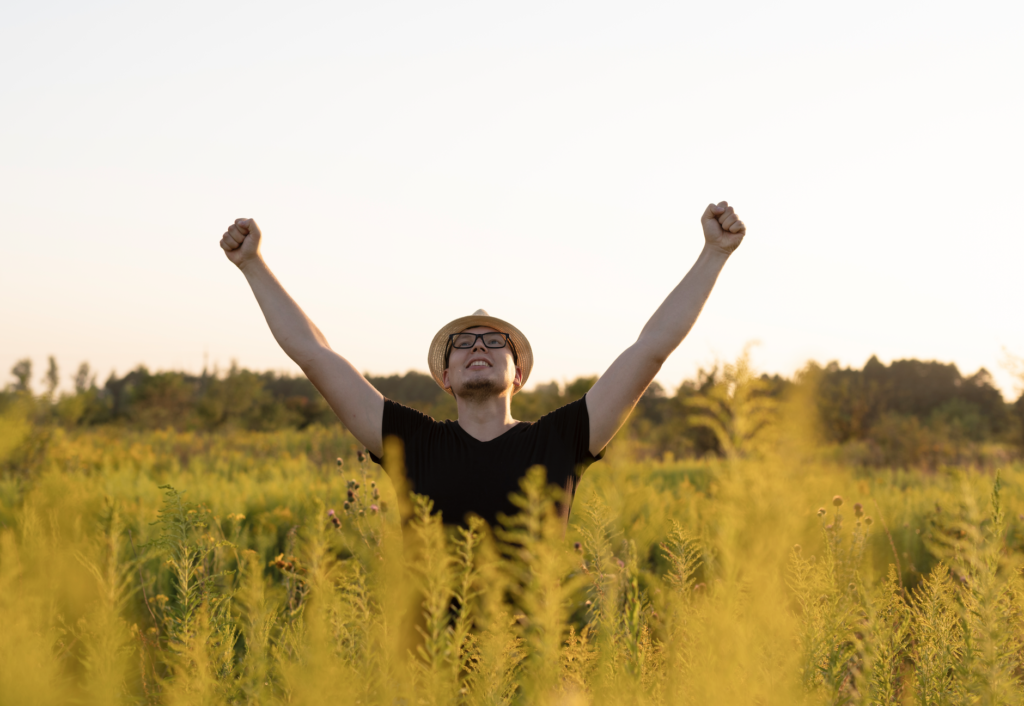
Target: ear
{"type": "Point", "coordinates": [519, 376]}
{"type": "Point", "coordinates": [444, 378]}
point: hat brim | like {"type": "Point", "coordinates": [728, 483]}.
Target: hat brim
{"type": "Point", "coordinates": [435, 356]}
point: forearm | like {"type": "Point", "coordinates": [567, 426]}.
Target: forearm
{"type": "Point", "coordinates": [673, 320]}
{"type": "Point", "coordinates": [295, 333]}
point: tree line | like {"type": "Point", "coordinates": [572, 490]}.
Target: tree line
{"type": "Point", "coordinates": [907, 413]}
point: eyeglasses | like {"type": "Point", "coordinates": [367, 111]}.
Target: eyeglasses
{"type": "Point", "coordinates": [491, 339]}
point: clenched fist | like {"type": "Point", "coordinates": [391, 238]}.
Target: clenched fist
{"type": "Point", "coordinates": [241, 242]}
{"type": "Point", "coordinates": [723, 230]}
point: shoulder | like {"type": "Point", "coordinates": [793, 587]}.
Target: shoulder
{"type": "Point", "coordinates": [398, 417]}
{"type": "Point", "coordinates": [410, 425]}
{"type": "Point", "coordinates": [567, 415]}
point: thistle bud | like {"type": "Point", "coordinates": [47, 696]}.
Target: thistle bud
{"type": "Point", "coordinates": [868, 521]}
{"type": "Point", "coordinates": [361, 456]}
{"type": "Point", "coordinates": [821, 512]}
{"type": "Point", "coordinates": [577, 546]}
{"type": "Point", "coordinates": [837, 500]}
{"type": "Point", "coordinates": [341, 462]}
{"type": "Point", "coordinates": [858, 509]}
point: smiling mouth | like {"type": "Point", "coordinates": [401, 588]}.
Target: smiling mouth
{"type": "Point", "coordinates": [478, 364]}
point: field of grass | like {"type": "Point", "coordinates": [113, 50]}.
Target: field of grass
{"type": "Point", "coordinates": [252, 568]}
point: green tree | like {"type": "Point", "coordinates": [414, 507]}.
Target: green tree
{"type": "Point", "coordinates": [22, 372]}
{"type": "Point", "coordinates": [84, 379]}
{"type": "Point", "coordinates": [52, 378]}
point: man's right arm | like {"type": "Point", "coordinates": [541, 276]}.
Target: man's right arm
{"type": "Point", "coordinates": [357, 403]}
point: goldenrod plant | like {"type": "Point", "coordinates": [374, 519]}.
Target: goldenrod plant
{"type": "Point", "coordinates": [281, 567]}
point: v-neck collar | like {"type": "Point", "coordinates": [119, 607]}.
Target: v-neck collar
{"type": "Point", "coordinates": [466, 435]}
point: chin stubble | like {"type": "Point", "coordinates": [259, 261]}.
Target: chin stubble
{"type": "Point", "coordinates": [477, 390]}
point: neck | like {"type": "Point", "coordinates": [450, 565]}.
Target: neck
{"type": "Point", "coordinates": [487, 418]}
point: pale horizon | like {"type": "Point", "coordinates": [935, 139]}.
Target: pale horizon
{"type": "Point", "coordinates": [548, 162]}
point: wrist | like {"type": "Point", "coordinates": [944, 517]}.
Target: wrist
{"type": "Point", "coordinates": [715, 252]}
{"type": "Point", "coordinates": [252, 264]}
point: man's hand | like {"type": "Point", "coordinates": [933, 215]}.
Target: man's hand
{"type": "Point", "coordinates": [723, 230]}
{"type": "Point", "coordinates": [241, 242]}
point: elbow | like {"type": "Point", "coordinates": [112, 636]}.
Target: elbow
{"type": "Point", "coordinates": [307, 358]}
{"type": "Point", "coordinates": [651, 353]}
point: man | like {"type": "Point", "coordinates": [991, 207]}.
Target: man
{"type": "Point", "coordinates": [472, 464]}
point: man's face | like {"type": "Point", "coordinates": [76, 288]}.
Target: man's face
{"type": "Point", "coordinates": [481, 372]}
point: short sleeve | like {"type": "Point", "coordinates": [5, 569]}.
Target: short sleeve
{"type": "Point", "coordinates": [571, 424]}
{"type": "Point", "coordinates": [403, 422]}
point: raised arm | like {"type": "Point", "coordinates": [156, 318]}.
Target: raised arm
{"type": "Point", "coordinates": [615, 394]}
{"type": "Point", "coordinates": [356, 402]}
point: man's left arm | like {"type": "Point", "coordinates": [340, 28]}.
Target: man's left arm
{"type": "Point", "coordinates": [614, 395]}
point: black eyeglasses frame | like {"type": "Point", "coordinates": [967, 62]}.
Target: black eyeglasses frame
{"type": "Point", "coordinates": [479, 337]}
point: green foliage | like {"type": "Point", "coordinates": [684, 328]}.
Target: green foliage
{"type": "Point", "coordinates": [671, 585]}
{"type": "Point", "coordinates": [738, 410]}
{"type": "Point", "coordinates": [905, 415]}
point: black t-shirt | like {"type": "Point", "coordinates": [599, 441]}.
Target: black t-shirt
{"type": "Point", "coordinates": [464, 475]}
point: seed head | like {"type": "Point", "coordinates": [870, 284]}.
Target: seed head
{"type": "Point", "coordinates": [868, 521]}
{"type": "Point", "coordinates": [341, 462]}
{"type": "Point", "coordinates": [821, 512]}
{"type": "Point", "coordinates": [837, 500]}
{"type": "Point", "coordinates": [346, 506]}
{"type": "Point", "coordinates": [853, 586]}
{"type": "Point", "coordinates": [858, 509]}
{"type": "Point", "coordinates": [577, 546]}
{"type": "Point", "coordinates": [797, 548]}
{"type": "Point", "coordinates": [361, 456]}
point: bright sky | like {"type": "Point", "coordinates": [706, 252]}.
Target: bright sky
{"type": "Point", "coordinates": [410, 162]}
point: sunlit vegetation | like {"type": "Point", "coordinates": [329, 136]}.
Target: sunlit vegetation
{"type": "Point", "coordinates": [907, 414]}
{"type": "Point", "coordinates": [240, 564]}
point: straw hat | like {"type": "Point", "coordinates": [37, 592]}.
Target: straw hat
{"type": "Point", "coordinates": [435, 357]}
